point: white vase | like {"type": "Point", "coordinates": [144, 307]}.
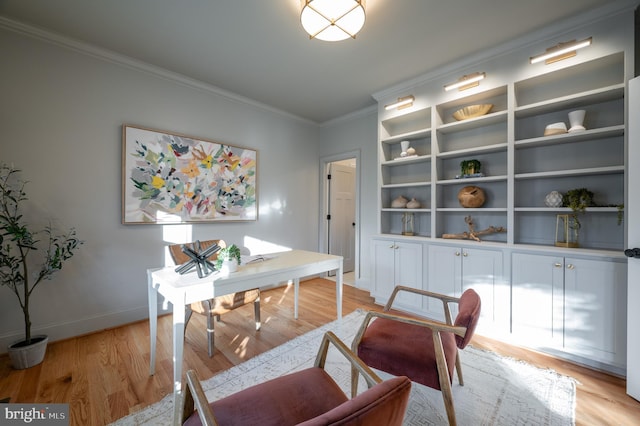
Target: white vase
{"type": "Point", "coordinates": [576, 118]}
{"type": "Point", "coordinates": [228, 266]}
{"type": "Point", "coordinates": [404, 145]}
{"type": "Point", "coordinates": [22, 356]}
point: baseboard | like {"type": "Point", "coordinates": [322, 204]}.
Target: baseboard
{"type": "Point", "coordinates": [82, 326]}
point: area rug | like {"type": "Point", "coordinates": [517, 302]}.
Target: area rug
{"type": "Point", "coordinates": [497, 390]}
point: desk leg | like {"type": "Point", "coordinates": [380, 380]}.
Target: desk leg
{"type": "Point", "coordinates": [339, 291]}
{"type": "Point", "coordinates": [153, 323]}
{"type": "Point", "coordinates": [296, 290]}
{"type": "Point", "coordinates": [178, 348]}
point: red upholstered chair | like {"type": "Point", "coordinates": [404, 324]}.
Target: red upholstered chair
{"type": "Point", "coordinates": [219, 305]}
{"type": "Point", "coordinates": [308, 397]}
{"type": "Point", "coordinates": [424, 350]}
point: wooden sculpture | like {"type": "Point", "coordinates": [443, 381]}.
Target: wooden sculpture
{"type": "Point", "coordinates": [472, 234]}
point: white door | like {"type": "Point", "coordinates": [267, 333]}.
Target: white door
{"type": "Point", "coordinates": [633, 241]}
{"type": "Point", "coordinates": [342, 211]}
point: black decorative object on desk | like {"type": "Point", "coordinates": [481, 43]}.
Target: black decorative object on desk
{"type": "Point", "coordinates": [199, 260]}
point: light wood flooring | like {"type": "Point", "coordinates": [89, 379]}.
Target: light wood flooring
{"type": "Point", "coordinates": [105, 375]}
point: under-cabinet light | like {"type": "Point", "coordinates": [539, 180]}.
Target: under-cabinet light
{"type": "Point", "coordinates": [466, 81]}
{"type": "Point", "coordinates": [561, 51]}
{"type": "Point", "coordinates": [404, 102]}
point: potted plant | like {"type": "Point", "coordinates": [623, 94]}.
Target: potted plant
{"type": "Point", "coordinates": [228, 259]}
{"type": "Point", "coordinates": [577, 200]}
{"type": "Point", "coordinates": [470, 167]}
{"type": "Point", "coordinates": [18, 240]}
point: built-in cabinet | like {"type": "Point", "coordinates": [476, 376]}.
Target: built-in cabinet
{"type": "Point", "coordinates": [571, 304]}
{"type": "Point", "coordinates": [457, 268]}
{"type": "Point", "coordinates": [567, 300]}
{"type": "Point", "coordinates": [397, 262]}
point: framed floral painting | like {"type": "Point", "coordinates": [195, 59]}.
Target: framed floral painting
{"type": "Point", "coordinates": [172, 178]}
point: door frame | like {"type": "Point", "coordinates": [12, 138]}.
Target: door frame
{"type": "Point", "coordinates": [323, 229]}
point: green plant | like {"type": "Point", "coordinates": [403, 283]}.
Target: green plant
{"type": "Point", "coordinates": [578, 200]}
{"type": "Point", "coordinates": [18, 240]}
{"type": "Point", "coordinates": [469, 167]}
{"type": "Point", "coordinates": [228, 253]}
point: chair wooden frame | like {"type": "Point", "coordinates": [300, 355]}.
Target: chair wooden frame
{"type": "Point", "coordinates": [436, 328]}
{"type": "Point", "coordinates": [195, 398]}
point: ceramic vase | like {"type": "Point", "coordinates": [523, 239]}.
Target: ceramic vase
{"type": "Point", "coordinates": [413, 204]}
{"type": "Point", "coordinates": [576, 118]}
{"type": "Point", "coordinates": [404, 145]}
{"type": "Point", "coordinates": [399, 203]}
{"type": "Point", "coordinates": [553, 199]}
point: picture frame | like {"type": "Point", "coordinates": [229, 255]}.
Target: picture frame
{"type": "Point", "coordinates": [173, 178]}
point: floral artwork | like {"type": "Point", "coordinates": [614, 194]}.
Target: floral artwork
{"type": "Point", "coordinates": [169, 178]}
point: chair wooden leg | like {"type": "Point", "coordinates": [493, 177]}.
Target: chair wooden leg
{"type": "Point", "coordinates": [210, 334]}
{"type": "Point", "coordinates": [459, 369]}
{"type": "Point", "coordinates": [443, 376]}
{"type": "Point", "coordinates": [354, 382]}
{"type": "Point", "coordinates": [256, 309]}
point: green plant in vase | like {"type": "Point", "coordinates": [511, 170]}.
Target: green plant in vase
{"type": "Point", "coordinates": [228, 254]}
{"type": "Point", "coordinates": [19, 242]}
{"type": "Point", "coordinates": [578, 200]}
{"type": "Point", "coordinates": [470, 167]}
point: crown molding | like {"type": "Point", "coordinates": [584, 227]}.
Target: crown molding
{"type": "Point", "coordinates": [134, 64]}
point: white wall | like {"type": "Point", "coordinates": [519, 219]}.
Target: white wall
{"type": "Point", "coordinates": [358, 133]}
{"type": "Point", "coordinates": [61, 114]}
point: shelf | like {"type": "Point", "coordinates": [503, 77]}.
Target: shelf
{"type": "Point", "coordinates": [405, 185]}
{"type": "Point", "coordinates": [591, 134]}
{"type": "Point", "coordinates": [565, 209]}
{"type": "Point", "coordinates": [472, 123]}
{"type": "Point", "coordinates": [576, 172]}
{"type": "Point", "coordinates": [521, 165]}
{"type": "Point", "coordinates": [416, 134]}
{"type": "Point", "coordinates": [572, 101]}
{"type": "Point", "coordinates": [472, 180]}
{"type": "Point", "coordinates": [474, 151]}
{"type": "Point", "coordinates": [407, 160]}
{"type": "Point", "coordinates": [390, 209]}
{"type": "Point", "coordinates": [467, 209]}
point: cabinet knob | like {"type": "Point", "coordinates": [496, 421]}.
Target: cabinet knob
{"type": "Point", "coordinates": [558, 265]}
{"type": "Point", "coordinates": [392, 246]}
{"type": "Point", "coordinates": [633, 252]}
{"type": "Point", "coordinates": [457, 253]}
{"type": "Point", "coordinates": [465, 254]}
{"type": "Point", "coordinates": [570, 266]}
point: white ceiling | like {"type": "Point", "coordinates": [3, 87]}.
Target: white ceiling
{"type": "Point", "coordinates": [258, 49]}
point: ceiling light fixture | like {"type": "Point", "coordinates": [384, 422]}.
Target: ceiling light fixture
{"type": "Point", "coordinates": [401, 103]}
{"type": "Point", "coordinates": [466, 81]}
{"type": "Point", "coordinates": [561, 51]}
{"type": "Point", "coordinates": [332, 20]}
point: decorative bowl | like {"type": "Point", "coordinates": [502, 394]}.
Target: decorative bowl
{"type": "Point", "coordinates": [555, 129]}
{"type": "Point", "coordinates": [472, 111]}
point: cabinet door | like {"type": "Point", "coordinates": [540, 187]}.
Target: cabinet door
{"type": "Point", "coordinates": [537, 289]}
{"type": "Point", "coordinates": [482, 270]}
{"type": "Point", "coordinates": [595, 309]}
{"type": "Point", "coordinates": [408, 272]}
{"type": "Point", "coordinates": [383, 256]}
{"type": "Point", "coordinates": [445, 275]}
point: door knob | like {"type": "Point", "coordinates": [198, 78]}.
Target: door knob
{"type": "Point", "coordinates": [634, 252]}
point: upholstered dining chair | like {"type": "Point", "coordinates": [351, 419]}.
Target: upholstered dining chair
{"type": "Point", "coordinates": [221, 304]}
{"type": "Point", "coordinates": [308, 397]}
{"type": "Point", "coordinates": [422, 349]}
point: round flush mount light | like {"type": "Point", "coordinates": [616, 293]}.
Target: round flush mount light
{"type": "Point", "coordinates": [332, 20]}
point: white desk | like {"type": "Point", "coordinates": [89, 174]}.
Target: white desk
{"type": "Point", "coordinates": [182, 290]}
